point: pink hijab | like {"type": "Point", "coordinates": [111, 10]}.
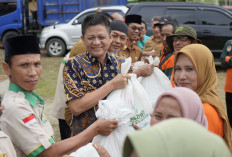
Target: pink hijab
{"type": "Point", "coordinates": [190, 104]}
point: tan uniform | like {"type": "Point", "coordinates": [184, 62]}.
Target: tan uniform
{"type": "Point", "coordinates": [6, 147]}
{"type": "Point", "coordinates": [77, 49]}
{"type": "Point", "coordinates": [153, 44]}
{"type": "Point", "coordinates": [59, 102]}
{"type": "Point", "coordinates": [24, 122]}
{"type": "Point", "coordinates": [134, 52]}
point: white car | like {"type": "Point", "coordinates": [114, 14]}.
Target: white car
{"type": "Point", "coordinates": [59, 38]}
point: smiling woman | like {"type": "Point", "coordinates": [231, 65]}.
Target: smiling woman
{"type": "Point", "coordinates": [185, 73]}
{"type": "Point", "coordinates": [197, 60]}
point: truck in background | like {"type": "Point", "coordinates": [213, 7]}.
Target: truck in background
{"type": "Point", "coordinates": [17, 18]}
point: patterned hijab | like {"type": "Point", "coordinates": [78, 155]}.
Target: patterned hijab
{"type": "Point", "coordinates": [190, 104]}
{"type": "Point", "coordinates": [176, 137]}
{"type": "Point", "coordinates": [207, 82]}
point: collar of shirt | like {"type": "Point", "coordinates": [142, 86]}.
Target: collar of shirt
{"type": "Point", "coordinates": [156, 39]}
{"type": "Point", "coordinates": [31, 98]}
{"type": "Point", "coordinates": [63, 61]}
{"type": "Point", "coordinates": [167, 52]}
{"type": "Point", "coordinates": [132, 47]}
{"type": "Point", "coordinates": [93, 59]}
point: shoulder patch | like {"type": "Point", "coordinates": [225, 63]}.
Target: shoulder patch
{"type": "Point", "coordinates": [29, 120]}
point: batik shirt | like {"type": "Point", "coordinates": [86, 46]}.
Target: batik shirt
{"type": "Point", "coordinates": [84, 74]}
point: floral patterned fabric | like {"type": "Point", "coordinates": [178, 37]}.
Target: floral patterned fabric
{"type": "Point", "coordinates": [84, 74]}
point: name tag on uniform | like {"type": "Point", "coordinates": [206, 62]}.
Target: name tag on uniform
{"type": "Point", "coordinates": [44, 119]}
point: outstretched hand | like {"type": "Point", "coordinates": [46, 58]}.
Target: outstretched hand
{"type": "Point", "coordinates": [102, 152]}
{"type": "Point", "coordinates": [106, 126]}
{"type": "Point", "coordinates": [136, 127]}
{"type": "Point", "coordinates": [144, 70]}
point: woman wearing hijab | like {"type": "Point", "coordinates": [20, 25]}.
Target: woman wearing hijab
{"type": "Point", "coordinates": [194, 68]}
{"type": "Point", "coordinates": [179, 102]}
{"type": "Point", "coordinates": [177, 137]}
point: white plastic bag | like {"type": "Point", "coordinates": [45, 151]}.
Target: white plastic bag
{"type": "Point", "coordinates": [114, 142]}
{"type": "Point", "coordinates": [85, 151]}
{"type": "Point", "coordinates": [128, 105]}
{"type": "Point", "coordinates": [156, 84]}
{"type": "Point", "coordinates": [155, 61]}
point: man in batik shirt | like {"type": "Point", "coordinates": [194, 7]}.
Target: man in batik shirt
{"type": "Point", "coordinates": [91, 76]}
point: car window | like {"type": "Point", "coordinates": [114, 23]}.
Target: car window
{"type": "Point", "coordinates": [7, 7]}
{"type": "Point", "coordinates": [230, 9]}
{"type": "Point", "coordinates": [213, 17]}
{"type": "Point", "coordinates": [79, 19]}
{"type": "Point", "coordinates": [183, 16]}
{"type": "Point", "coordinates": [148, 12]}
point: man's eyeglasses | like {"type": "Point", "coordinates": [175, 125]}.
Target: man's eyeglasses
{"type": "Point", "coordinates": [134, 28]}
{"type": "Point", "coordinates": [181, 38]}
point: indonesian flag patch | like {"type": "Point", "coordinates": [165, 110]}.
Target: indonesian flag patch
{"type": "Point", "coordinates": [29, 120]}
{"type": "Point", "coordinates": [3, 155]}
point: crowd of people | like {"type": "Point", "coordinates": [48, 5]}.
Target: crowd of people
{"type": "Point", "coordinates": [185, 120]}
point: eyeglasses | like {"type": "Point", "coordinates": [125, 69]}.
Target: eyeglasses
{"type": "Point", "coordinates": [181, 38]}
{"type": "Point", "coordinates": [134, 28]}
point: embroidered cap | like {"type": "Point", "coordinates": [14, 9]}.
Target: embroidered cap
{"type": "Point", "coordinates": [133, 18]}
{"type": "Point", "coordinates": [119, 25]}
{"type": "Point", "coordinates": [19, 45]}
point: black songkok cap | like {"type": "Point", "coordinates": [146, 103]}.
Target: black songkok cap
{"type": "Point", "coordinates": [133, 18]}
{"type": "Point", "coordinates": [119, 25]}
{"type": "Point", "coordinates": [21, 45]}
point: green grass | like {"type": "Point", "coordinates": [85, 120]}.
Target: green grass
{"type": "Point", "coordinates": [47, 85]}
{"type": "Point", "coordinates": [221, 73]}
